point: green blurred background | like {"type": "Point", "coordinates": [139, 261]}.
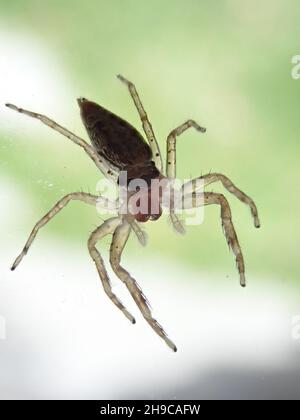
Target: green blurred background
{"type": "Point", "coordinates": [226, 64]}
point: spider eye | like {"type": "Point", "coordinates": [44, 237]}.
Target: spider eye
{"type": "Point", "coordinates": [81, 99]}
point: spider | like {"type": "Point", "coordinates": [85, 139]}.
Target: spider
{"type": "Point", "coordinates": [117, 146]}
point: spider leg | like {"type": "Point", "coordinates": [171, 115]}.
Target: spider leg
{"type": "Point", "coordinates": [145, 122]}
{"type": "Point", "coordinates": [176, 222]}
{"type": "Point", "coordinates": [208, 198]}
{"type": "Point", "coordinates": [106, 203]}
{"type": "Point", "coordinates": [171, 164]}
{"type": "Point", "coordinates": [191, 187]}
{"type": "Point", "coordinates": [171, 145]}
{"type": "Point", "coordinates": [140, 234]}
{"type": "Point", "coordinates": [104, 166]}
{"type": "Point", "coordinates": [120, 237]}
{"type": "Point", "coordinates": [108, 227]}
{"type": "Point", "coordinates": [85, 197]}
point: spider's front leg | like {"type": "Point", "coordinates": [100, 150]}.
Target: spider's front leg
{"type": "Point", "coordinates": [108, 227]}
{"type": "Point", "coordinates": [208, 198]}
{"type": "Point", "coordinates": [120, 238]}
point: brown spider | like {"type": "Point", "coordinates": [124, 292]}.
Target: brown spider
{"type": "Point", "coordinates": [117, 146]}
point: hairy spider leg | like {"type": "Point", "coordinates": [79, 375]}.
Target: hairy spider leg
{"type": "Point", "coordinates": [105, 167]}
{"type": "Point", "coordinates": [108, 227]}
{"type": "Point", "coordinates": [120, 238]}
{"type": "Point", "coordinates": [147, 127]}
{"type": "Point", "coordinates": [208, 198]}
{"type": "Point", "coordinates": [171, 163]}
{"type": "Point", "coordinates": [207, 179]}
{"type": "Point", "coordinates": [81, 196]}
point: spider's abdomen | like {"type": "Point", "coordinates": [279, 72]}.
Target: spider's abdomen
{"type": "Point", "coordinates": [112, 137]}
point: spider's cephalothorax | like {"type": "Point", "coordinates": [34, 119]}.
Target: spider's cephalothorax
{"type": "Point", "coordinates": [118, 148]}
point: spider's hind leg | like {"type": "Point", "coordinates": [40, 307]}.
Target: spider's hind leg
{"type": "Point", "coordinates": [120, 237]}
{"type": "Point", "coordinates": [105, 167]}
{"type": "Point", "coordinates": [145, 122]}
